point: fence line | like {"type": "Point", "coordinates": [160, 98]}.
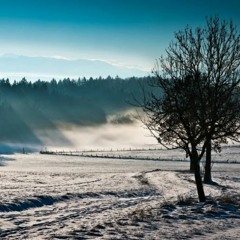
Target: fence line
{"type": "Point", "coordinates": [115, 156]}
{"type": "Point", "coordinates": [112, 156]}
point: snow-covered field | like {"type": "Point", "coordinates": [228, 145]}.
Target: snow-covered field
{"type": "Point", "coordinates": [67, 197]}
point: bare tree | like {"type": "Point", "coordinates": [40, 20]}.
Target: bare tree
{"type": "Point", "coordinates": [172, 119]}
{"type": "Point", "coordinates": [221, 57]}
{"type": "Point", "coordinates": [199, 107]}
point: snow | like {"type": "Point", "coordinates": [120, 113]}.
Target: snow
{"type": "Point", "coordinates": [73, 197]}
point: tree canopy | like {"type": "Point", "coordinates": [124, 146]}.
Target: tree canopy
{"type": "Point", "coordinates": [200, 80]}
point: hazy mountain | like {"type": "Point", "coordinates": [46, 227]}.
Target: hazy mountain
{"type": "Point", "coordinates": [46, 68]}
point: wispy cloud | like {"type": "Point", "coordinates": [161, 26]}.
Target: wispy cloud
{"type": "Point", "coordinates": [16, 67]}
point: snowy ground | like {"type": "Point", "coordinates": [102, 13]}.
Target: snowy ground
{"type": "Point", "coordinates": [67, 197]}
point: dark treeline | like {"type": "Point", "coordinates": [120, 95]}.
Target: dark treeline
{"type": "Point", "coordinates": [27, 107]}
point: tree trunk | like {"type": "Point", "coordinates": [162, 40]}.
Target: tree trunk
{"type": "Point", "coordinates": [198, 178]}
{"type": "Point", "coordinates": [191, 165]}
{"type": "Point", "coordinates": [208, 164]}
{"type": "Point", "coordinates": [199, 184]}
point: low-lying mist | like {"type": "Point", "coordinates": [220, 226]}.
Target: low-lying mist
{"type": "Point", "coordinates": [65, 136]}
{"type": "Point", "coordinates": [109, 136]}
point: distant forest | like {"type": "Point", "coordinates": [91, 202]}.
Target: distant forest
{"type": "Point", "coordinates": [29, 106]}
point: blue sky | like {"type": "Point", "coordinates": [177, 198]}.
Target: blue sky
{"type": "Point", "coordinates": [129, 33]}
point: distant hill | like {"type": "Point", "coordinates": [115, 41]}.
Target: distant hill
{"type": "Point", "coordinates": [46, 68]}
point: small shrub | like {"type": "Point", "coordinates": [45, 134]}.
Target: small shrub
{"type": "Point", "coordinates": [185, 200]}
{"type": "Point", "coordinates": [230, 199]}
